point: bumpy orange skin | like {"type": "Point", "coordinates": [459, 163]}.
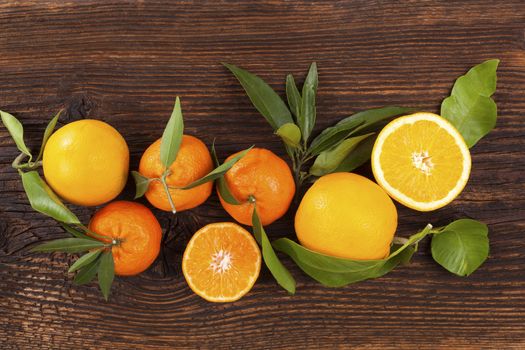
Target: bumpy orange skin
{"type": "Point", "coordinates": [266, 177]}
{"type": "Point", "coordinates": [348, 216]}
{"type": "Point", "coordinates": [86, 162]}
{"type": "Point", "coordinates": [193, 162]}
{"type": "Point", "coordinates": [138, 230]}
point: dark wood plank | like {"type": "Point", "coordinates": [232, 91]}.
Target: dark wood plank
{"type": "Point", "coordinates": [124, 61]}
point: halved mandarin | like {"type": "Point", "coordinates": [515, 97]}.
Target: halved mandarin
{"type": "Point", "coordinates": [221, 262]}
{"type": "Point", "coordinates": [421, 160]}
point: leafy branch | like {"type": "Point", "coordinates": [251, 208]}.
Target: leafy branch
{"type": "Point", "coordinates": [98, 259]}
{"type": "Point", "coordinates": [341, 146]}
{"type": "Point", "coordinates": [170, 145]}
{"type": "Point", "coordinates": [460, 247]}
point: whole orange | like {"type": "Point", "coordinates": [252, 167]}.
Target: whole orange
{"type": "Point", "coordinates": [348, 216]}
{"type": "Point", "coordinates": [263, 179]}
{"type": "Point", "coordinates": [136, 232]}
{"type": "Point", "coordinates": [193, 162]}
{"type": "Point", "coordinates": [86, 162]}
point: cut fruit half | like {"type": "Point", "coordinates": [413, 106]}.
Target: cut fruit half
{"type": "Point", "coordinates": [221, 262]}
{"type": "Point", "coordinates": [421, 161]}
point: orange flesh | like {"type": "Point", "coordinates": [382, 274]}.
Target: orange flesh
{"type": "Point", "coordinates": [221, 262]}
{"type": "Point", "coordinates": [413, 140]}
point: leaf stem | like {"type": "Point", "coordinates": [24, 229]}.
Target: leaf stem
{"type": "Point", "coordinates": [17, 163]}
{"type": "Point", "coordinates": [94, 234]}
{"type": "Point", "coordinates": [166, 188]}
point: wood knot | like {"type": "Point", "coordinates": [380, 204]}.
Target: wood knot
{"type": "Point", "coordinates": [78, 107]}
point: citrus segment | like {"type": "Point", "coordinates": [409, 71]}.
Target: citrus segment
{"type": "Point", "coordinates": [221, 262]}
{"type": "Point", "coordinates": [421, 160]}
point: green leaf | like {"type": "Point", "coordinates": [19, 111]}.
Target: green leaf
{"type": "Point", "coordinates": [44, 200]}
{"type": "Point", "coordinates": [84, 260]}
{"type": "Point", "coordinates": [360, 123]}
{"type": "Point", "coordinates": [306, 119]}
{"type": "Point", "coordinates": [87, 273]}
{"type": "Point", "coordinates": [16, 130]}
{"type": "Point", "coordinates": [47, 133]}
{"type": "Point", "coordinates": [470, 107]}
{"type": "Point", "coordinates": [290, 134]}
{"type": "Point", "coordinates": [263, 97]}
{"type": "Point", "coordinates": [222, 186]}
{"type": "Point", "coordinates": [461, 247]}
{"type": "Point", "coordinates": [328, 161]}
{"type": "Point", "coordinates": [68, 245]}
{"type": "Point", "coordinates": [106, 273]}
{"type": "Point", "coordinates": [337, 272]}
{"type": "Point", "coordinates": [219, 171]}
{"type": "Point", "coordinates": [359, 156]}
{"type": "Point", "coordinates": [294, 97]}
{"type": "Point", "coordinates": [75, 232]}
{"type": "Point", "coordinates": [278, 270]}
{"type": "Point", "coordinates": [172, 136]}
{"type": "Point", "coordinates": [141, 183]}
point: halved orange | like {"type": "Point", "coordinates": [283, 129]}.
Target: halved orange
{"type": "Point", "coordinates": [421, 160]}
{"type": "Point", "coordinates": [221, 262]}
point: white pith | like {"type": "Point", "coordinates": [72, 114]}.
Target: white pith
{"type": "Point", "coordinates": [421, 161]}
{"type": "Point", "coordinates": [221, 261]}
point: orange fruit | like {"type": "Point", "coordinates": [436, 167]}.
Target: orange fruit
{"type": "Point", "coordinates": [421, 160]}
{"type": "Point", "coordinates": [346, 215]}
{"type": "Point", "coordinates": [221, 262]}
{"type": "Point", "coordinates": [263, 179]}
{"type": "Point", "coordinates": [86, 162]}
{"type": "Point", "coordinates": [193, 162]}
{"type": "Point", "coordinates": [135, 230]}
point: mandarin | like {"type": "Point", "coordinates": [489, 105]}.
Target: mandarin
{"type": "Point", "coordinates": [263, 179]}
{"type": "Point", "coordinates": [193, 162]}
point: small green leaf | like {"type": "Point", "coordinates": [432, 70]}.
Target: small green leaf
{"type": "Point", "coordinates": [219, 171]}
{"type": "Point", "coordinates": [84, 260]}
{"type": "Point", "coordinates": [44, 200]}
{"type": "Point", "coordinates": [281, 274]}
{"type": "Point", "coordinates": [290, 134]}
{"type": "Point", "coordinates": [87, 273]}
{"type": "Point", "coordinates": [16, 130]}
{"type": "Point", "coordinates": [222, 186]}
{"type": "Point", "coordinates": [47, 133]}
{"type": "Point", "coordinates": [263, 97]}
{"type": "Point", "coordinates": [75, 232]}
{"type": "Point", "coordinates": [307, 116]}
{"type": "Point", "coordinates": [360, 123]}
{"type": "Point", "coordinates": [328, 161]}
{"type": "Point", "coordinates": [470, 107]}
{"type": "Point", "coordinates": [337, 272]}
{"type": "Point", "coordinates": [359, 156]}
{"type": "Point", "coordinates": [461, 247]}
{"type": "Point", "coordinates": [68, 245]}
{"type": "Point", "coordinates": [172, 136]}
{"type": "Point", "coordinates": [294, 97]}
{"type": "Point", "coordinates": [141, 183]}
{"type": "Point", "coordinates": [106, 273]}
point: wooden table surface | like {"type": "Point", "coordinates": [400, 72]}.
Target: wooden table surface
{"type": "Point", "coordinates": [125, 61]}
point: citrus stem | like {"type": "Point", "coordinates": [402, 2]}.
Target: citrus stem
{"type": "Point", "coordinates": [400, 240]}
{"type": "Point", "coordinates": [166, 188]}
{"type": "Point", "coordinates": [17, 163]}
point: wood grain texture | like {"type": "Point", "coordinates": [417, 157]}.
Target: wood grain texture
{"type": "Point", "coordinates": [124, 62]}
